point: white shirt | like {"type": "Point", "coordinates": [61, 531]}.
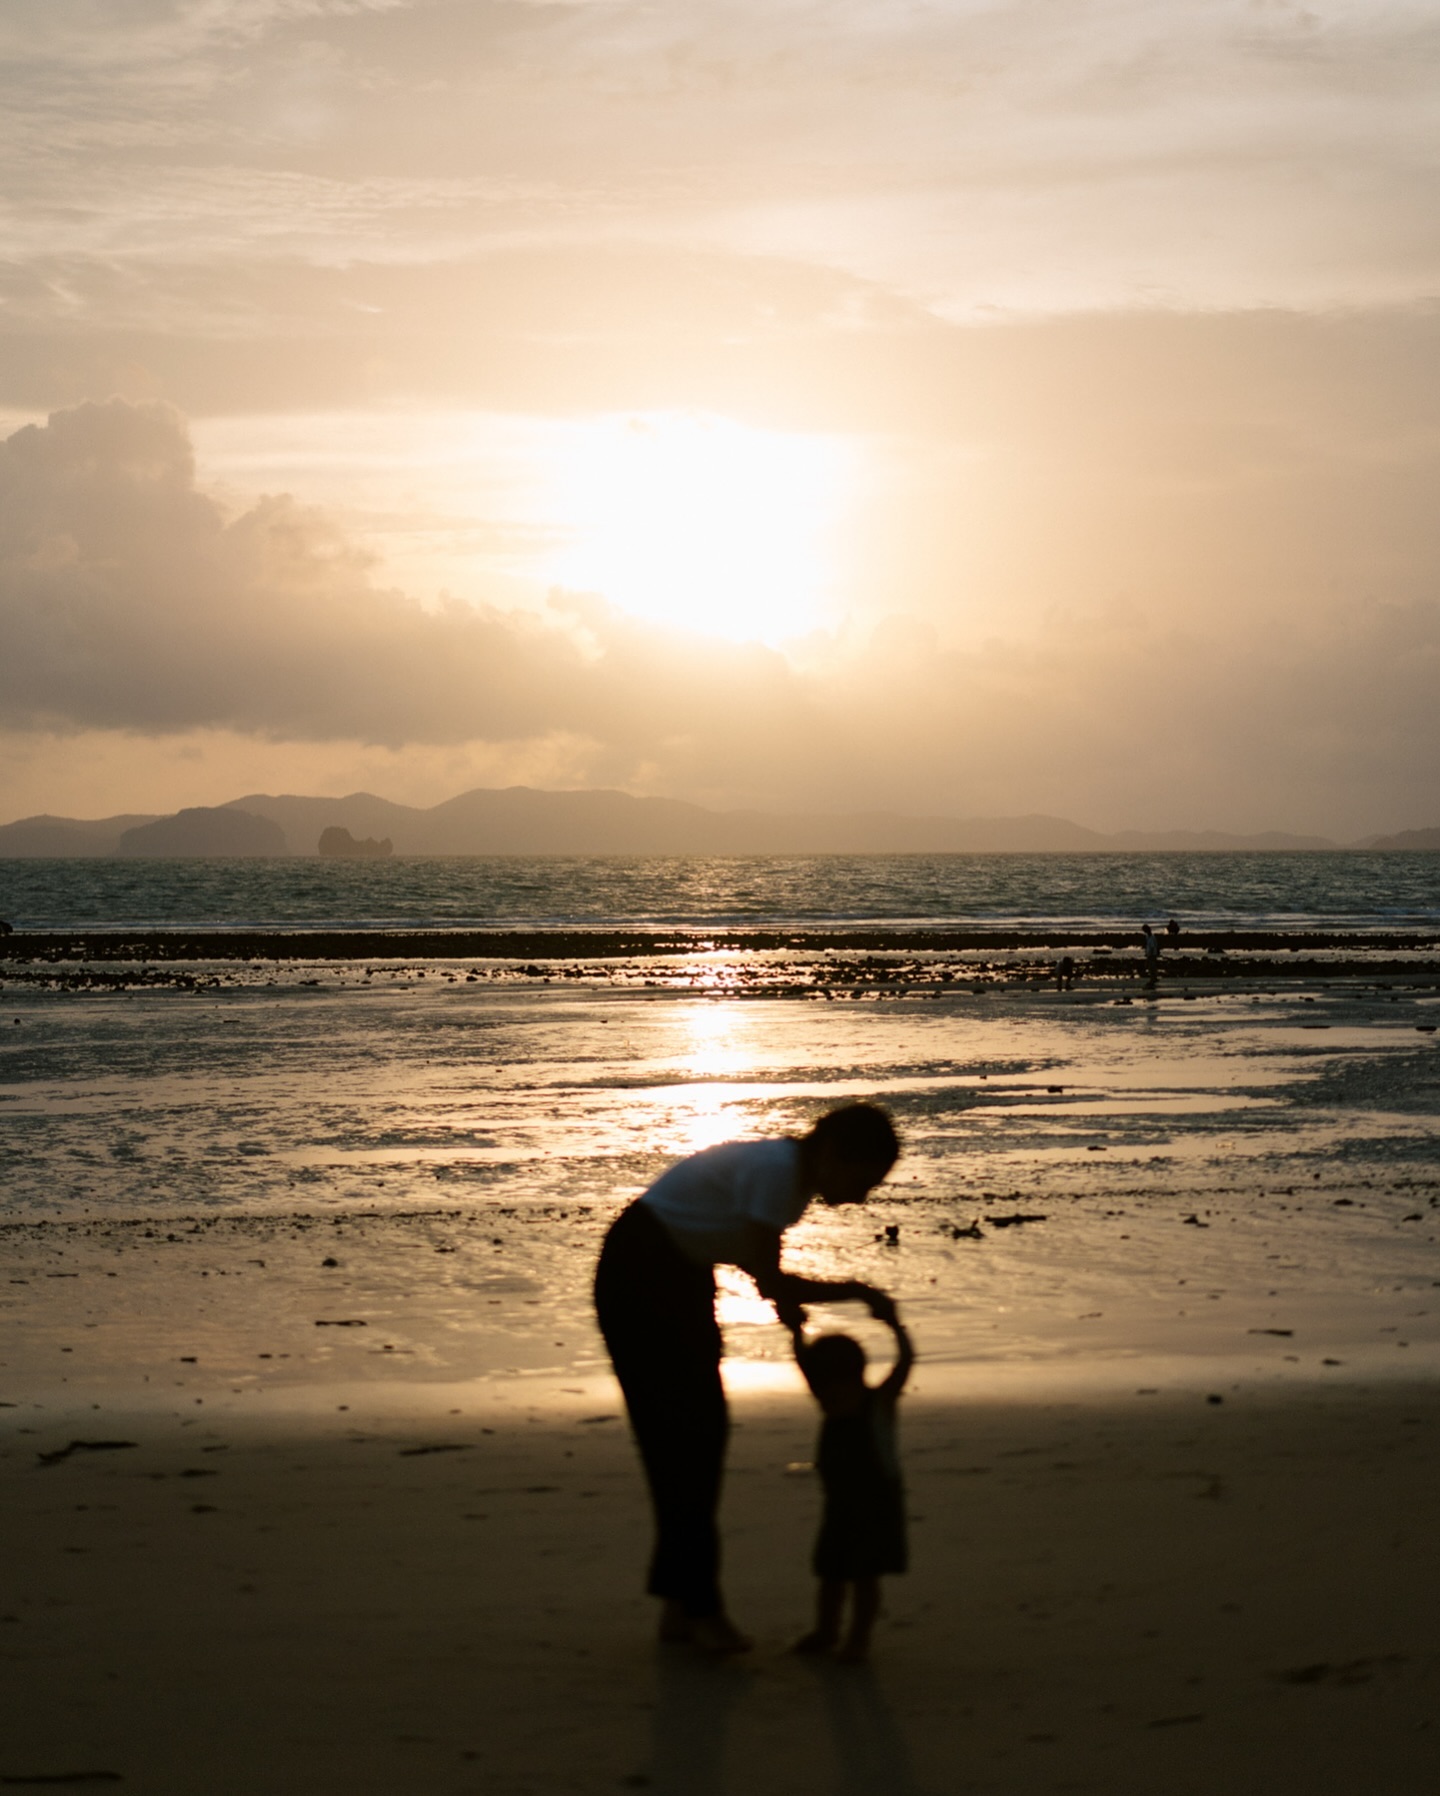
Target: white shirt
{"type": "Point", "coordinates": [706, 1200]}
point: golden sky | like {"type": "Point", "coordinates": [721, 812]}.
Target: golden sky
{"type": "Point", "coordinates": [977, 407]}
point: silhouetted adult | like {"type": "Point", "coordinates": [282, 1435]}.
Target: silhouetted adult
{"type": "Point", "coordinates": [655, 1299]}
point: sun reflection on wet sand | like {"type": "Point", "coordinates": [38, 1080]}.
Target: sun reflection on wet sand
{"type": "Point", "coordinates": [712, 1046]}
{"type": "Point", "coordinates": [761, 1377]}
{"type": "Point", "coordinates": [717, 1040]}
{"type": "Point", "coordinates": [467, 1148]}
{"type": "Point", "coordinates": [702, 1117]}
{"type": "Point", "coordinates": [737, 1300]}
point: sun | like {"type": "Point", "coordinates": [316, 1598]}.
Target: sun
{"type": "Point", "coordinates": [699, 522]}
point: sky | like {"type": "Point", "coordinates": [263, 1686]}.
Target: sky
{"type": "Point", "coordinates": [972, 408]}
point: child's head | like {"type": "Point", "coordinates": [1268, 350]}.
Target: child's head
{"type": "Point", "coordinates": [835, 1363]}
{"type": "Point", "coordinates": [849, 1151]}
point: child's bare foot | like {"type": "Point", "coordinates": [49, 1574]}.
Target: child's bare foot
{"type": "Point", "coordinates": [675, 1625]}
{"type": "Point", "coordinates": [718, 1634]}
{"type": "Point", "coordinates": [817, 1641]}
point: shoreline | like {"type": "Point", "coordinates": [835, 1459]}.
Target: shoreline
{"type": "Point", "coordinates": [572, 941]}
{"type": "Point", "coordinates": [889, 963]}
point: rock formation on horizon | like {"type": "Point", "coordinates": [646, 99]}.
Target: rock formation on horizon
{"type": "Point", "coordinates": [338, 844]}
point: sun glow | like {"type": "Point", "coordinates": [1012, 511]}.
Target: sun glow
{"type": "Point", "coordinates": [701, 523]}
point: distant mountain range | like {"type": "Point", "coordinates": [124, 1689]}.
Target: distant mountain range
{"type": "Point", "coordinates": [521, 820]}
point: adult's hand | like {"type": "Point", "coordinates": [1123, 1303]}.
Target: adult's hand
{"type": "Point", "coordinates": [792, 1314]}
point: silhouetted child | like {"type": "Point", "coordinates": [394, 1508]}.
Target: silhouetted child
{"type": "Point", "coordinates": [862, 1532]}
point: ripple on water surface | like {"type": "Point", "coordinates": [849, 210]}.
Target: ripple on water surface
{"type": "Point", "coordinates": [1256, 890]}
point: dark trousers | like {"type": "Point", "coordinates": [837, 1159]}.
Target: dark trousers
{"type": "Point", "coordinates": [657, 1314]}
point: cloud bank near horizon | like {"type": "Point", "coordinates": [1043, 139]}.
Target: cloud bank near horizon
{"type": "Point", "coordinates": [136, 608]}
{"type": "Point", "coordinates": [132, 602]}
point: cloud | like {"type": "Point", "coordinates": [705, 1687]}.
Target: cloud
{"type": "Point", "coordinates": [134, 608]}
{"type": "Point", "coordinates": [128, 600]}
{"type": "Point", "coordinates": [1100, 154]}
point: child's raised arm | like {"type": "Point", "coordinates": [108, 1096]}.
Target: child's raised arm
{"type": "Point", "coordinates": [797, 1336]}
{"type": "Point", "coordinates": [892, 1386]}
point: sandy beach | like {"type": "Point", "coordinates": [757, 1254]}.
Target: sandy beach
{"type": "Point", "coordinates": [313, 1465]}
{"type": "Point", "coordinates": [1118, 1593]}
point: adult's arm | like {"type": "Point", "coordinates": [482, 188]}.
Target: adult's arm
{"type": "Point", "coordinates": [788, 1289]}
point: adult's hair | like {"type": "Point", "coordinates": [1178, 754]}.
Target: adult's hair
{"type": "Point", "coordinates": [861, 1133]}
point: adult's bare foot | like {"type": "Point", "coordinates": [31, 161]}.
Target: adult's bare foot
{"type": "Point", "coordinates": [676, 1628]}
{"type": "Point", "coordinates": [718, 1634]}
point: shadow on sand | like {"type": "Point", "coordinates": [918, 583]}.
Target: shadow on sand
{"type": "Point", "coordinates": [699, 1705]}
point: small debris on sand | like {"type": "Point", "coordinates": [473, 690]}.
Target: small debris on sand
{"type": "Point", "coordinates": [60, 1453]}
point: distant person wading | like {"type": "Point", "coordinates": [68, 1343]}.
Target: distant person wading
{"type": "Point", "coordinates": [1151, 944]}
{"type": "Point", "coordinates": [655, 1299]}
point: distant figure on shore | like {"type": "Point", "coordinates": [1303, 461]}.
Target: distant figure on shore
{"type": "Point", "coordinates": [1064, 973]}
{"type": "Point", "coordinates": [655, 1300]}
{"type": "Point", "coordinates": [862, 1531]}
{"type": "Point", "coordinates": [1151, 943]}
{"type": "Point", "coordinates": [1172, 929]}
{"type": "Point", "coordinates": [6, 928]}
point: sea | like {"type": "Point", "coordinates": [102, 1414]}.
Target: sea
{"type": "Point", "coordinates": [1331, 891]}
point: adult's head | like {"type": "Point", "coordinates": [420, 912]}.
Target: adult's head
{"type": "Point", "coordinates": [848, 1152]}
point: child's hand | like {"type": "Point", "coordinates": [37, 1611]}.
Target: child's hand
{"type": "Point", "coordinates": [882, 1307]}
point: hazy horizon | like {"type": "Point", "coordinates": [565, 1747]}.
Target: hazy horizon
{"type": "Point", "coordinates": [952, 410]}
{"type": "Point", "coordinates": [1039, 822]}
